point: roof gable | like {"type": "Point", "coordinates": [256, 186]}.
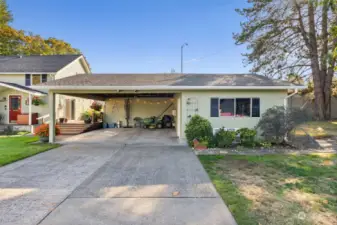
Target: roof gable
{"type": "Point", "coordinates": [35, 63]}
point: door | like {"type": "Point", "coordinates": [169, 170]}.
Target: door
{"type": "Point", "coordinates": [14, 107]}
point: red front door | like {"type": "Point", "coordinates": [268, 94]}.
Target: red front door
{"type": "Point", "coordinates": [14, 107]}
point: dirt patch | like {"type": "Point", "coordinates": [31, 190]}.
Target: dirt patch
{"type": "Point", "coordinates": [276, 196]}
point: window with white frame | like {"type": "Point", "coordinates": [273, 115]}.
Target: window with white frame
{"type": "Point", "coordinates": [35, 79]}
{"type": "Point", "coordinates": [239, 107]}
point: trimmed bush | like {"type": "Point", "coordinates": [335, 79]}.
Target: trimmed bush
{"type": "Point", "coordinates": [198, 128]}
{"type": "Point", "coordinates": [224, 138]}
{"type": "Point", "coordinates": [277, 122]}
{"type": "Point", "coordinates": [247, 136]}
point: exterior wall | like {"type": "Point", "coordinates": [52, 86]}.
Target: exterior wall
{"type": "Point", "coordinates": [63, 106]}
{"type": "Point", "coordinates": [114, 109]}
{"type": "Point", "coordinates": [19, 78]}
{"type": "Point", "coordinates": [63, 102]}
{"type": "Point", "coordinates": [268, 99]}
{"type": "Point", "coordinates": [13, 78]}
{"type": "Point", "coordinates": [71, 69]}
{"type": "Point", "coordinates": [41, 109]}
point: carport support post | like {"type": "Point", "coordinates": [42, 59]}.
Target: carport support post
{"type": "Point", "coordinates": [51, 102]}
{"type": "Point", "coordinates": [30, 109]}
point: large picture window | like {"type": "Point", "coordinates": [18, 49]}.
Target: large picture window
{"type": "Point", "coordinates": [226, 107]}
{"type": "Point", "coordinates": [240, 107]}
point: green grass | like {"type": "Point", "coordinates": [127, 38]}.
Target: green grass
{"type": "Point", "coordinates": [277, 189]}
{"type": "Point", "coordinates": [15, 148]}
{"type": "Point", "coordinates": [318, 129]}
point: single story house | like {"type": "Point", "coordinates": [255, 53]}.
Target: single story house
{"type": "Point", "coordinates": [226, 100]}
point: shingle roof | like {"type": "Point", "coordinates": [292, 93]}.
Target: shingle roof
{"type": "Point", "coordinates": [35, 63]}
{"type": "Point", "coordinates": [22, 88]}
{"type": "Point", "coordinates": [168, 80]}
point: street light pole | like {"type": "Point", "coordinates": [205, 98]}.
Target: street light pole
{"type": "Point", "coordinates": [182, 57]}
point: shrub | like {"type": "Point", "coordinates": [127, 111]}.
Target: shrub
{"type": "Point", "coordinates": [224, 138]}
{"type": "Point", "coordinates": [208, 141]}
{"type": "Point", "coordinates": [264, 144]}
{"type": "Point", "coordinates": [43, 130]}
{"type": "Point", "coordinates": [198, 127]}
{"type": "Point", "coordinates": [247, 136]}
{"type": "Point", "coordinates": [276, 122]}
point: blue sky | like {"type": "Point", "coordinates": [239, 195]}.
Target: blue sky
{"type": "Point", "coordinates": [141, 35]}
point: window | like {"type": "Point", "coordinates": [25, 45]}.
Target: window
{"type": "Point", "coordinates": [242, 107]}
{"type": "Point", "coordinates": [214, 107]}
{"type": "Point", "coordinates": [44, 78]}
{"type": "Point", "coordinates": [227, 107]}
{"type": "Point", "coordinates": [255, 107]}
{"type": "Point", "coordinates": [36, 79]}
{"type": "Point", "coordinates": [27, 80]}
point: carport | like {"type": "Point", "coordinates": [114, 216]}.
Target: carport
{"type": "Point", "coordinates": [142, 103]}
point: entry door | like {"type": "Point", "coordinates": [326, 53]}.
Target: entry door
{"type": "Point", "coordinates": [14, 107]}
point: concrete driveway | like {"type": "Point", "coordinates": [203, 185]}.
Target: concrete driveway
{"type": "Point", "coordinates": [111, 176]}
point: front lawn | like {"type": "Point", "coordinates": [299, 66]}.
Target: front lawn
{"type": "Point", "coordinates": [317, 129]}
{"type": "Point", "coordinates": [16, 148]}
{"type": "Point", "coordinates": [277, 189]}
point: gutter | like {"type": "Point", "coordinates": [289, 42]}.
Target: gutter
{"type": "Point", "coordinates": [165, 87]}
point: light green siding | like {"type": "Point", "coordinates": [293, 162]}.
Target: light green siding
{"type": "Point", "coordinates": [202, 99]}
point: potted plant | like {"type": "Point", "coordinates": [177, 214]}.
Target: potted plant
{"type": "Point", "coordinates": [86, 117]}
{"type": "Point", "coordinates": [43, 132]}
{"type": "Point", "coordinates": [37, 101]}
{"type": "Point", "coordinates": [96, 106]}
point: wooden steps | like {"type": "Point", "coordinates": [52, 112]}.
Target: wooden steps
{"type": "Point", "coordinates": [77, 128]}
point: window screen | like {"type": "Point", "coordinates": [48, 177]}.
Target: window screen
{"type": "Point", "coordinates": [226, 107]}
{"type": "Point", "coordinates": [243, 107]}
{"type": "Point", "coordinates": [214, 107]}
{"type": "Point", "coordinates": [255, 107]}
{"type": "Point", "coordinates": [44, 78]}
{"type": "Point", "coordinates": [27, 79]}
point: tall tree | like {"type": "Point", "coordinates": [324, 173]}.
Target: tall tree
{"type": "Point", "coordinates": [292, 37]}
{"type": "Point", "coordinates": [5, 14]}
{"type": "Point", "coordinates": [15, 42]}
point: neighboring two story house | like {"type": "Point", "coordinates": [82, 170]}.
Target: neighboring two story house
{"type": "Point", "coordinates": [19, 98]}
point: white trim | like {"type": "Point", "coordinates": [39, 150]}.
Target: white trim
{"type": "Point", "coordinates": [9, 122]}
{"type": "Point", "coordinates": [23, 90]}
{"type": "Point", "coordinates": [234, 115]}
{"type": "Point", "coordinates": [164, 87]}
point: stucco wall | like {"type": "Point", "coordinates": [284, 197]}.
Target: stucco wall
{"type": "Point", "coordinates": [268, 99]}
{"type": "Point", "coordinates": [143, 107]}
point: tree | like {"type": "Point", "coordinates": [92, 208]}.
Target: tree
{"type": "Point", "coordinates": [5, 14]}
{"type": "Point", "coordinates": [19, 42]}
{"type": "Point", "coordinates": [293, 36]}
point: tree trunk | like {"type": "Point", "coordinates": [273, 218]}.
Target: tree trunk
{"type": "Point", "coordinates": [314, 60]}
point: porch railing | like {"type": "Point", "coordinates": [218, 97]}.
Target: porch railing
{"type": "Point", "coordinates": [43, 118]}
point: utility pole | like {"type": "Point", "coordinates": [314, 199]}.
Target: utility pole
{"type": "Point", "coordinates": [182, 57]}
